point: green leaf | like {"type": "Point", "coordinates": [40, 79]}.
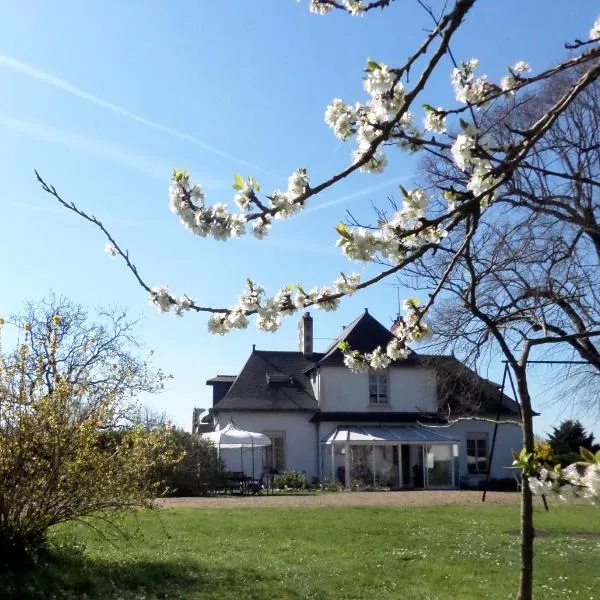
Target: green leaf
{"type": "Point", "coordinates": [239, 182]}
{"type": "Point", "coordinates": [372, 65]}
{"type": "Point", "coordinates": [428, 108]}
{"type": "Point", "coordinates": [587, 455]}
{"type": "Point", "coordinates": [343, 231]}
{"type": "Point", "coordinates": [403, 191]}
{"type": "Point", "coordinates": [465, 126]}
{"type": "Point", "coordinates": [344, 346]}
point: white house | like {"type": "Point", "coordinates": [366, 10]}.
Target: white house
{"type": "Point", "coordinates": [395, 428]}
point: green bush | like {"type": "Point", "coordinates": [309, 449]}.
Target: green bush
{"type": "Point", "coordinates": [198, 473]}
{"type": "Point", "coordinates": [293, 480]}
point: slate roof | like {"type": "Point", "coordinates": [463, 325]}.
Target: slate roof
{"type": "Point", "coordinates": [277, 380]}
{"type": "Point", "coordinates": [364, 334]}
{"type": "Point", "coordinates": [272, 380]}
{"type": "Point", "coordinates": [221, 379]}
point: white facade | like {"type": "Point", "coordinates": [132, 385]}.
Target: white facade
{"type": "Point", "coordinates": [411, 390]}
{"type": "Point", "coordinates": [300, 439]}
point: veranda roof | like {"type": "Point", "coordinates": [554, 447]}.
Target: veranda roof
{"type": "Point", "coordinates": [414, 434]}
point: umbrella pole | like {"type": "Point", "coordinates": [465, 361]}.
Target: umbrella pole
{"type": "Point", "coordinates": [252, 459]}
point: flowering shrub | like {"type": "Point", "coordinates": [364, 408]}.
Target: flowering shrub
{"type": "Point", "coordinates": [60, 458]}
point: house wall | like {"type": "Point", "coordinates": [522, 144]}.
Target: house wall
{"type": "Point", "coordinates": [410, 389]}
{"type": "Point", "coordinates": [300, 439]}
{"type": "Point", "coordinates": [508, 439]}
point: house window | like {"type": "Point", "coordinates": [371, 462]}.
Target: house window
{"type": "Point", "coordinates": [477, 453]}
{"type": "Point", "coordinates": [378, 388]}
{"type": "Point", "coordinates": [274, 456]}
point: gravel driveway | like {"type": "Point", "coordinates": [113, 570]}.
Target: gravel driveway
{"type": "Point", "coordinates": [404, 498]}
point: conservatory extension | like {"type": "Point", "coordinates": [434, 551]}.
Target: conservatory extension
{"type": "Point", "coordinates": [389, 457]}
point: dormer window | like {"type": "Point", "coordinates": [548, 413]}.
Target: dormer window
{"type": "Point", "coordinates": [378, 388]}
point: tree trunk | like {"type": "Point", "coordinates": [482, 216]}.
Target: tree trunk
{"type": "Point", "coordinates": [527, 530]}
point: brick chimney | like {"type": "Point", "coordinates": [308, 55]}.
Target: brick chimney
{"type": "Point", "coordinates": [305, 334]}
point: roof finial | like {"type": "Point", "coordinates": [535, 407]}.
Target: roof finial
{"type": "Point", "coordinates": [253, 347]}
{"type": "Point", "coordinates": [366, 311]}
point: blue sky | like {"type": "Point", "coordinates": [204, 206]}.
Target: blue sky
{"type": "Point", "coordinates": [105, 98]}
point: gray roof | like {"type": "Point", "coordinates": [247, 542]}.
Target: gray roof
{"type": "Point", "coordinates": [364, 334]}
{"type": "Point", "coordinates": [272, 380]}
{"type": "Point", "coordinates": [277, 380]}
{"type": "Point", "coordinates": [221, 379]}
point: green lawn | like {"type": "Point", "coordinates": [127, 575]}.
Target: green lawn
{"type": "Point", "coordinates": [416, 553]}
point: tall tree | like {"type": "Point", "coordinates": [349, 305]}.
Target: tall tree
{"type": "Point", "coordinates": [567, 439]}
{"type": "Point", "coordinates": [455, 227]}
{"type": "Point", "coordinates": [104, 350]}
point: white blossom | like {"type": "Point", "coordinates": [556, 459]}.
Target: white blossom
{"type": "Point", "coordinates": [218, 323]}
{"type": "Point", "coordinates": [251, 298]}
{"type": "Point", "coordinates": [462, 151]}
{"type": "Point", "coordinates": [161, 298]}
{"type": "Point", "coordinates": [467, 89]}
{"type": "Point", "coordinates": [435, 120]}
{"type": "Point", "coordinates": [346, 284]}
{"type": "Point", "coordinates": [355, 7]}
{"type": "Point", "coordinates": [595, 30]}
{"type": "Point", "coordinates": [378, 360]}
{"type": "Point", "coordinates": [268, 318]}
{"type": "Point", "coordinates": [521, 67]}
{"type": "Point", "coordinates": [261, 227]}
{"type": "Point", "coordinates": [396, 350]}
{"type": "Point", "coordinates": [237, 318]}
{"type": "Point", "coordinates": [316, 7]}
{"type": "Point", "coordinates": [355, 362]}
{"type": "Point", "coordinates": [341, 119]}
{"type": "Point", "coordinates": [111, 250]}
{"type": "Point", "coordinates": [183, 304]}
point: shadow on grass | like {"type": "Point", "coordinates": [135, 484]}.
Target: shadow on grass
{"type": "Point", "coordinates": [70, 578]}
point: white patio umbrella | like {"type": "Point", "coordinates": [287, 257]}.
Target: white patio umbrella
{"type": "Point", "coordinates": [232, 437]}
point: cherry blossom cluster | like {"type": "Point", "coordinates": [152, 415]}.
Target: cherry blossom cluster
{"type": "Point", "coordinates": [467, 88]}
{"type": "Point", "coordinates": [574, 481]}
{"type": "Point", "coordinates": [394, 238]}
{"type": "Point", "coordinates": [163, 300]}
{"type": "Point", "coordinates": [354, 7]}
{"type": "Point", "coordinates": [595, 30]}
{"type": "Point", "coordinates": [367, 121]}
{"type": "Point", "coordinates": [187, 201]}
{"type": "Point", "coordinates": [470, 155]}
{"type": "Point", "coordinates": [284, 303]}
{"type": "Point", "coordinates": [408, 328]}
{"type": "Point", "coordinates": [514, 78]}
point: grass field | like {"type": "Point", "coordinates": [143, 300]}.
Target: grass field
{"type": "Point", "coordinates": [417, 553]}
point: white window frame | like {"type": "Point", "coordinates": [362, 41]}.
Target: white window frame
{"type": "Point", "coordinates": [377, 379]}
{"type": "Point", "coordinates": [477, 436]}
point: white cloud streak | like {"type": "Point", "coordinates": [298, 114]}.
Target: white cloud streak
{"type": "Point", "coordinates": [20, 67]}
{"type": "Point", "coordinates": [79, 143]}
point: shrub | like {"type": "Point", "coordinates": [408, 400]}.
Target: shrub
{"type": "Point", "coordinates": [199, 472]}
{"type": "Point", "coordinates": [293, 480]}
{"type": "Point", "coordinates": [60, 459]}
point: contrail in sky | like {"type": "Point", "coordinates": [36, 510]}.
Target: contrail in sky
{"type": "Point", "coordinates": [16, 65]}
